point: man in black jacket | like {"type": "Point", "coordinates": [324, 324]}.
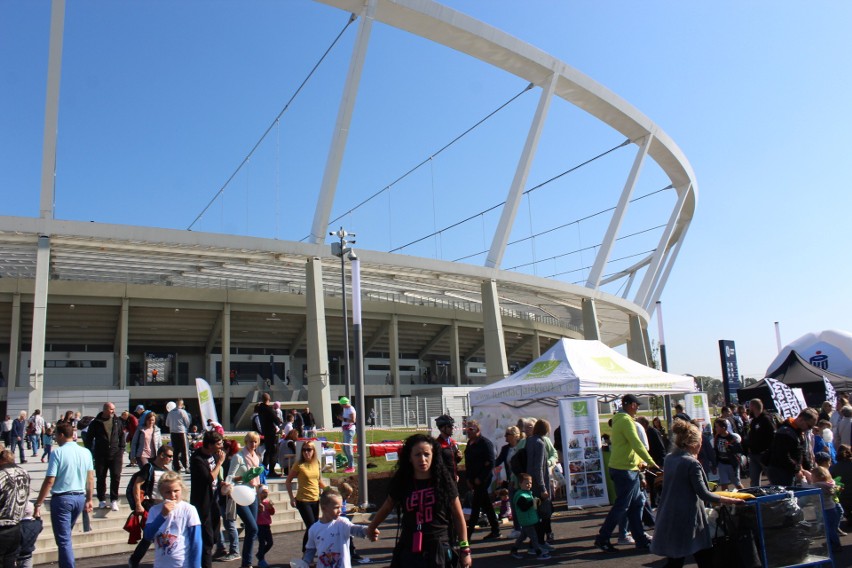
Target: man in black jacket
{"type": "Point", "coordinates": [788, 453]}
{"type": "Point", "coordinates": [269, 424]}
{"type": "Point", "coordinates": [105, 439]}
{"type": "Point", "coordinates": [204, 468]}
{"type": "Point", "coordinates": [479, 457]}
{"type": "Point", "coordinates": [761, 430]}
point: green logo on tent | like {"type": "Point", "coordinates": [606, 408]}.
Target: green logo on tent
{"type": "Point", "coordinates": [204, 396]}
{"type": "Point", "coordinates": [698, 401]}
{"type": "Point", "coordinates": [542, 369]}
{"type": "Point", "coordinates": [580, 408]}
{"type": "Point", "coordinates": [608, 364]}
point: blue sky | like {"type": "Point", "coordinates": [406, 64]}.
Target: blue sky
{"type": "Point", "coordinates": [161, 101]}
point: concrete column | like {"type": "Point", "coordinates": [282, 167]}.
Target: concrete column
{"type": "Point", "coordinates": [36, 378]}
{"type": "Point", "coordinates": [636, 345]}
{"type": "Point", "coordinates": [122, 343]}
{"type": "Point", "coordinates": [393, 343]}
{"type": "Point", "coordinates": [590, 320]}
{"type": "Point", "coordinates": [455, 356]}
{"type": "Point", "coordinates": [495, 344]}
{"type": "Point", "coordinates": [13, 380]}
{"type": "Point", "coordinates": [226, 366]}
{"type": "Point", "coordinates": [319, 391]}
{"type": "Point", "coordinates": [536, 350]}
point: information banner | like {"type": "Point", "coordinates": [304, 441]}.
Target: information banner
{"type": "Point", "coordinates": [581, 451]}
{"type": "Point", "coordinates": [205, 401]}
{"type": "Point", "coordinates": [730, 371]}
{"type": "Point", "coordinates": [695, 405]}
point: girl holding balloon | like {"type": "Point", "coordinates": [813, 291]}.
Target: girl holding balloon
{"type": "Point", "coordinates": [243, 471]}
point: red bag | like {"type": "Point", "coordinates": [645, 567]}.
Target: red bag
{"type": "Point", "coordinates": [134, 525]}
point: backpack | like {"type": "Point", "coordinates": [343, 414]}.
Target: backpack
{"type": "Point", "coordinates": [255, 423]}
{"type": "Point", "coordinates": [147, 486]}
{"type": "Point", "coordinates": [518, 463]}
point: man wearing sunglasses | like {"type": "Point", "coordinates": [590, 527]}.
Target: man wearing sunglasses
{"type": "Point", "coordinates": [142, 494]}
{"type": "Point", "coordinates": [449, 448]}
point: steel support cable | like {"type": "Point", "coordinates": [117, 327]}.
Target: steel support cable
{"type": "Point", "coordinates": [629, 256]}
{"type": "Point", "coordinates": [493, 207]}
{"type": "Point", "coordinates": [564, 225]}
{"type": "Point", "coordinates": [310, 74]}
{"type": "Point", "coordinates": [584, 249]}
{"type": "Point", "coordinates": [587, 267]}
{"type": "Point", "coordinates": [434, 155]}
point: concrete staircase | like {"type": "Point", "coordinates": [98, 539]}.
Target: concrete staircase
{"type": "Point", "coordinates": [108, 537]}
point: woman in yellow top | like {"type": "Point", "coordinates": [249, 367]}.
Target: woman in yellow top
{"type": "Point", "coordinates": [243, 461]}
{"type": "Point", "coordinates": [306, 501]}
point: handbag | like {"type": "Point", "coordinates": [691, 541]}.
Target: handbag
{"type": "Point", "coordinates": [737, 547]}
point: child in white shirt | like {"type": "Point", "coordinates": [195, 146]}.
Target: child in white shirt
{"type": "Point", "coordinates": [328, 538]}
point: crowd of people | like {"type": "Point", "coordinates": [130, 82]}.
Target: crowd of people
{"type": "Point", "coordinates": [435, 480]}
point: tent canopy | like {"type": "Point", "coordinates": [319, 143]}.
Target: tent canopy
{"type": "Point", "coordinates": [796, 372]}
{"type": "Point", "coordinates": [575, 367]}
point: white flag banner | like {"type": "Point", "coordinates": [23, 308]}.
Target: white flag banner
{"type": "Point", "coordinates": [695, 405]}
{"type": "Point", "coordinates": [830, 393]}
{"type": "Point", "coordinates": [786, 402]}
{"type": "Point", "coordinates": [581, 451]}
{"type": "Point", "coordinates": [205, 401]}
{"type": "Point", "coordinates": [800, 396]}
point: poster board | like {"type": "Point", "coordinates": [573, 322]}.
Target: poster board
{"type": "Point", "coordinates": [695, 405]}
{"type": "Point", "coordinates": [581, 451]}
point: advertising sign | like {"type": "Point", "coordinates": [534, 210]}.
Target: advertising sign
{"type": "Point", "coordinates": [581, 451]}
{"type": "Point", "coordinates": [205, 401]}
{"type": "Point", "coordinates": [695, 405]}
{"type": "Point", "coordinates": [786, 402]}
{"type": "Point", "coordinates": [730, 371]}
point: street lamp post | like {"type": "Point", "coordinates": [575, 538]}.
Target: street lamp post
{"type": "Point", "coordinates": [340, 249]}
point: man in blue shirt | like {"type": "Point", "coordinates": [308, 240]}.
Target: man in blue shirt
{"type": "Point", "coordinates": [70, 479]}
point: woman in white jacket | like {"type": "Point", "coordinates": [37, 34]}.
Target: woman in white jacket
{"type": "Point", "coordinates": [146, 440]}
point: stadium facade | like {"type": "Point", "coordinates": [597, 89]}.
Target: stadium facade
{"type": "Point", "coordinates": [90, 307]}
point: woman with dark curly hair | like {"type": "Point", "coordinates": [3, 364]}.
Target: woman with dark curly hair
{"type": "Point", "coordinates": [427, 501]}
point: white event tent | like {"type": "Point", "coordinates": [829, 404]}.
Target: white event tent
{"type": "Point", "coordinates": [571, 367]}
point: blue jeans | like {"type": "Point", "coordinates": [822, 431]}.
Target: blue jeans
{"type": "Point", "coordinates": [348, 436]}
{"type": "Point", "coordinates": [64, 510]}
{"type": "Point", "coordinates": [628, 501]}
{"type": "Point", "coordinates": [20, 445]}
{"type": "Point", "coordinates": [248, 515]}
{"type": "Point", "coordinates": [35, 440]}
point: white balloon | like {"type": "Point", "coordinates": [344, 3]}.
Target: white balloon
{"type": "Point", "coordinates": [243, 495]}
{"type": "Point", "coordinates": [170, 406]}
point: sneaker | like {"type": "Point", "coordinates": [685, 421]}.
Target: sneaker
{"type": "Point", "coordinates": [605, 546]}
{"type": "Point", "coordinates": [362, 559]}
{"type": "Point", "coordinates": [102, 505]}
{"type": "Point", "coordinates": [262, 564]}
{"type": "Point", "coordinates": [114, 506]}
{"type": "Point", "coordinates": [349, 470]}
{"type": "Point", "coordinates": [550, 538]}
{"type": "Point", "coordinates": [626, 540]}
{"type": "Point", "coordinates": [515, 534]}
{"type": "Point", "coordinates": [219, 554]}
{"type": "Point", "coordinates": [516, 554]}
{"type": "Point", "coordinates": [231, 556]}
{"type": "Point", "coordinates": [493, 535]}
{"type": "Point", "coordinates": [546, 547]}
{"type": "Point", "coordinates": [545, 555]}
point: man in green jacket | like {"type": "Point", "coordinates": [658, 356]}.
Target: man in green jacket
{"type": "Point", "coordinates": [626, 454]}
